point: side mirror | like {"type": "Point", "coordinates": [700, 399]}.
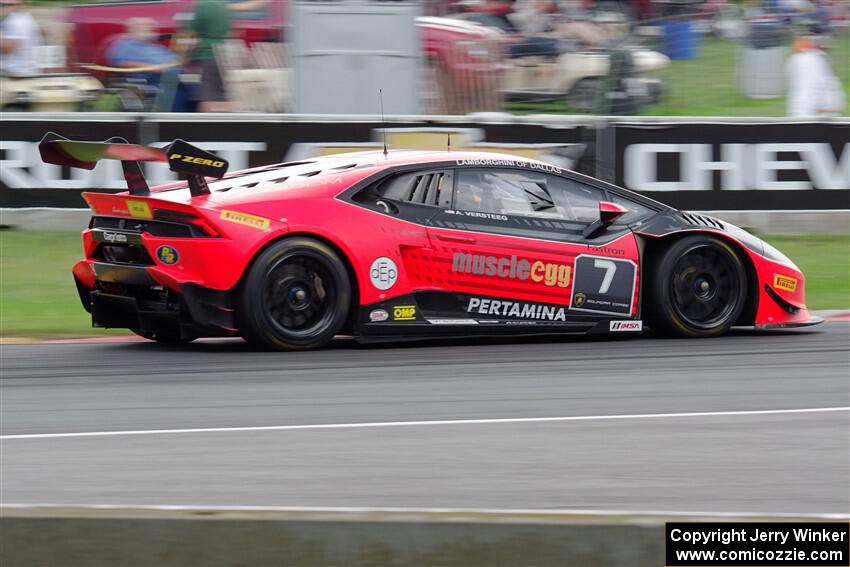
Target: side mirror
{"type": "Point", "coordinates": [608, 213]}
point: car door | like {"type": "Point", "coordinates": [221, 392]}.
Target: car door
{"type": "Point", "coordinates": [512, 248]}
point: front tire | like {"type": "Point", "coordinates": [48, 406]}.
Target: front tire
{"type": "Point", "coordinates": [696, 288]}
{"type": "Point", "coordinates": [296, 296]}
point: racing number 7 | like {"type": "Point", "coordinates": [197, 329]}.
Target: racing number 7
{"type": "Point", "coordinates": [610, 269]}
{"type": "Point", "coordinates": [603, 285]}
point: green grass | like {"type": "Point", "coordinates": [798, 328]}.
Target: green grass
{"type": "Point", "coordinates": [825, 260]}
{"type": "Point", "coordinates": [38, 297]}
{"type": "Point", "coordinates": [708, 85]}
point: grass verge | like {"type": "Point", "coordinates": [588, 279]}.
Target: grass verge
{"type": "Point", "coordinates": [709, 86]}
{"type": "Point", "coordinates": [825, 260]}
{"type": "Point", "coordinates": [38, 297]}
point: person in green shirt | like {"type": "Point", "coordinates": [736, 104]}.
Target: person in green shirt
{"type": "Point", "coordinates": [211, 24]}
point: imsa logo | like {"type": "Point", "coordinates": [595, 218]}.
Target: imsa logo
{"type": "Point", "coordinates": [624, 326]}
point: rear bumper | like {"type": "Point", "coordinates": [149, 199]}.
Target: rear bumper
{"type": "Point", "coordinates": [130, 297]}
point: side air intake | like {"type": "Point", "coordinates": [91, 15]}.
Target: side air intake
{"type": "Point", "coordinates": [703, 220]}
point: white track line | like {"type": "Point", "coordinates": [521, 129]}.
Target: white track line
{"type": "Point", "coordinates": [424, 511]}
{"type": "Point", "coordinates": [422, 423]}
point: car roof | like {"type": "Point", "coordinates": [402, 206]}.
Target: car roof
{"type": "Point", "coordinates": [394, 158]}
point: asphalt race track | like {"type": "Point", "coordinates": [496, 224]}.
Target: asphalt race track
{"type": "Point", "coordinates": [749, 432]}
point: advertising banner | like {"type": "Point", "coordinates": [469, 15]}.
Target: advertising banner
{"type": "Point", "coordinates": [770, 166]}
{"type": "Point", "coordinates": [27, 182]}
{"type": "Point", "coordinates": [695, 166]}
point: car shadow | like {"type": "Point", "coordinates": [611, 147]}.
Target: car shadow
{"type": "Point", "coordinates": [343, 343]}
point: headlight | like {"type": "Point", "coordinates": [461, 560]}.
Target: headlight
{"type": "Point", "coordinates": [775, 255]}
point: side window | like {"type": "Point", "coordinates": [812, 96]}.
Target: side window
{"type": "Point", "coordinates": [636, 210]}
{"type": "Point", "coordinates": [421, 188]}
{"type": "Point", "coordinates": [526, 193]}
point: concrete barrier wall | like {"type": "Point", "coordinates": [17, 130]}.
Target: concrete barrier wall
{"type": "Point", "coordinates": [133, 537]}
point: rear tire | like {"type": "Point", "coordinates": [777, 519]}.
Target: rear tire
{"type": "Point", "coordinates": [697, 287]}
{"type": "Point", "coordinates": [296, 296]}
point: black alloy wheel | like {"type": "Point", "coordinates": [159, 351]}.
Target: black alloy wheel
{"type": "Point", "coordinates": [697, 288]}
{"type": "Point", "coordinates": [296, 296]}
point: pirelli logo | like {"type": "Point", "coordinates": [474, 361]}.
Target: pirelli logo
{"type": "Point", "coordinates": [253, 221]}
{"type": "Point", "coordinates": [218, 164]}
{"type": "Point", "coordinates": [786, 283]}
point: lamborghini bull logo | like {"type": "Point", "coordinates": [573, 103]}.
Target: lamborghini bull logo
{"type": "Point", "coordinates": [565, 155]}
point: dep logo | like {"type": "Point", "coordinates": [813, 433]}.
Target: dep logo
{"type": "Point", "coordinates": [383, 273]}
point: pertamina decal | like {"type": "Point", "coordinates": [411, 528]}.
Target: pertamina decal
{"type": "Point", "coordinates": [253, 221]}
{"type": "Point", "coordinates": [519, 310]}
{"type": "Point", "coordinates": [139, 209]}
{"type": "Point", "coordinates": [785, 283]}
{"type": "Point", "coordinates": [404, 313]}
{"type": "Point", "coordinates": [383, 273]}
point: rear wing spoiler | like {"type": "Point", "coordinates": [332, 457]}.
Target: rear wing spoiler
{"type": "Point", "coordinates": [182, 157]}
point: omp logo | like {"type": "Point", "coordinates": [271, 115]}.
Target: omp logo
{"type": "Point", "coordinates": [197, 160]}
{"type": "Point", "coordinates": [404, 313]}
{"type": "Point", "coordinates": [549, 274]}
{"type": "Point", "coordinates": [462, 139]}
{"type": "Point", "coordinates": [786, 283]}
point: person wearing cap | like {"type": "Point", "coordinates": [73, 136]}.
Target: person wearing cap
{"type": "Point", "coordinates": [20, 36]}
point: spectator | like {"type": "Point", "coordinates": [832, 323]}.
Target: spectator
{"type": "Point", "coordinates": [813, 88]}
{"type": "Point", "coordinates": [532, 20]}
{"type": "Point", "coordinates": [138, 48]}
{"type": "Point", "coordinates": [211, 25]}
{"type": "Point", "coordinates": [20, 37]}
{"type": "Point", "coordinates": [158, 68]}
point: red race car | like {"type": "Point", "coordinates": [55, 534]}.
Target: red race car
{"type": "Point", "coordinates": [408, 245]}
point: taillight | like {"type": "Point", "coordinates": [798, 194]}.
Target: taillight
{"type": "Point", "coordinates": [186, 218]}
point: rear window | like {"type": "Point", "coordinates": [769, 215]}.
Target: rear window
{"type": "Point", "coordinates": [431, 188]}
